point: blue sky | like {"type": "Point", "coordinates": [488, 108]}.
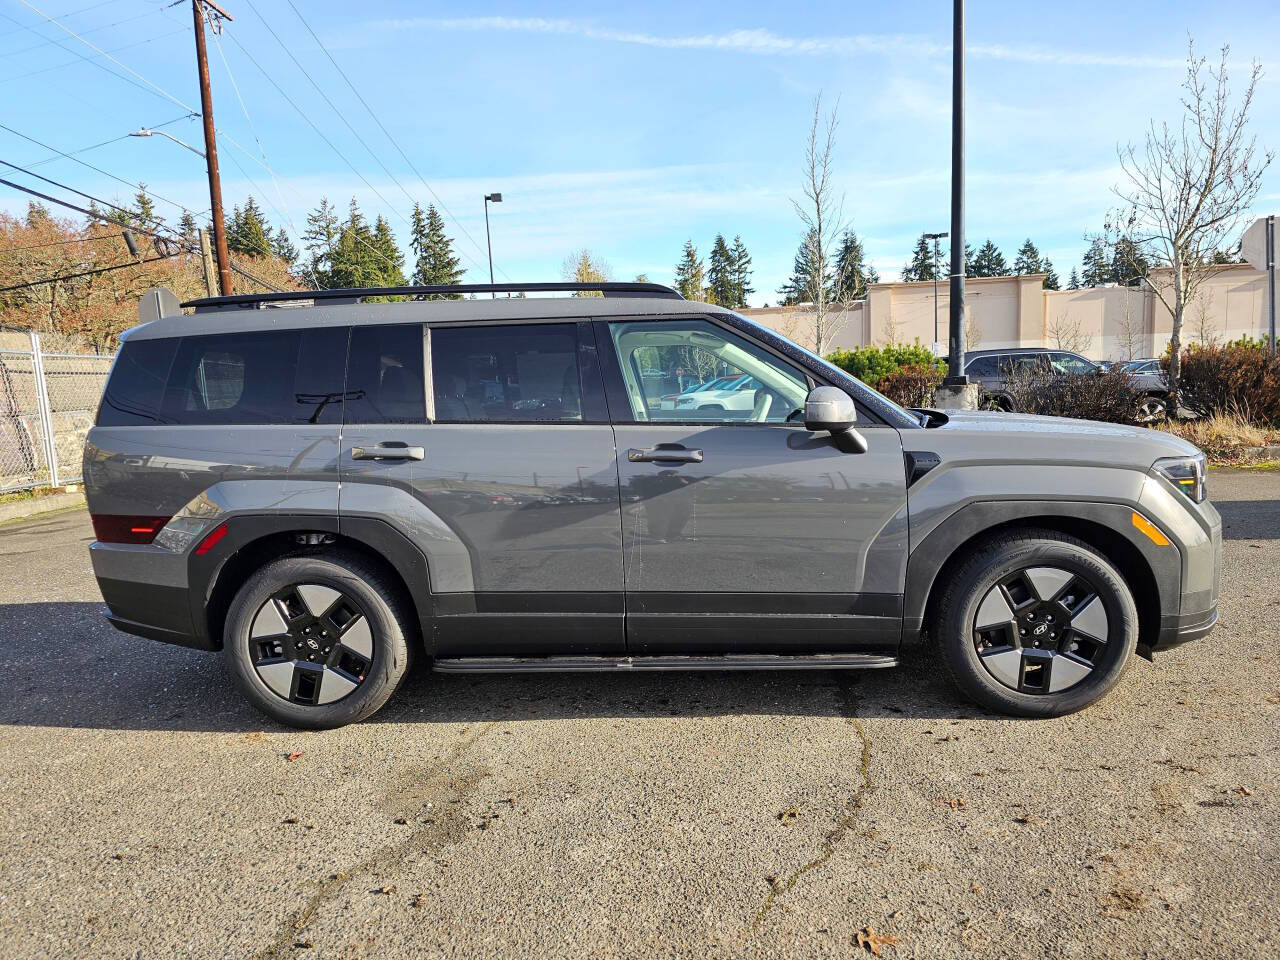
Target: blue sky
{"type": "Point", "coordinates": [626, 129]}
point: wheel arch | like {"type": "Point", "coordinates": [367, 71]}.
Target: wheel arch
{"type": "Point", "coordinates": [1153, 574]}
{"type": "Point", "coordinates": [253, 541]}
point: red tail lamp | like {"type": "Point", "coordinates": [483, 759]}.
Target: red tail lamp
{"type": "Point", "coordinates": [214, 537]}
{"type": "Point", "coordinates": [126, 528]}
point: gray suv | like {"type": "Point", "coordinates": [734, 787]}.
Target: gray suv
{"type": "Point", "coordinates": [326, 489]}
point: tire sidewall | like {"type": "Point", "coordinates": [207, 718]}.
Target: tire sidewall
{"type": "Point", "coordinates": [1117, 601]}
{"type": "Point", "coordinates": [390, 649]}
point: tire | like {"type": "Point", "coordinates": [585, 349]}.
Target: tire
{"type": "Point", "coordinates": [344, 613]}
{"type": "Point", "coordinates": [1151, 408]}
{"type": "Point", "coordinates": [1044, 658]}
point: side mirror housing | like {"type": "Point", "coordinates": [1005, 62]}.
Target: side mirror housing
{"type": "Point", "coordinates": [829, 408]}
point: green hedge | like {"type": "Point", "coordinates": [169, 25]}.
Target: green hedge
{"type": "Point", "coordinates": [873, 364]}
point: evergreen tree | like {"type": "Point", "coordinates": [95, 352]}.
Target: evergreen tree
{"type": "Point", "coordinates": [920, 266]}
{"type": "Point", "coordinates": [690, 274]}
{"type": "Point", "coordinates": [1028, 260]}
{"type": "Point", "coordinates": [434, 262]}
{"type": "Point", "coordinates": [642, 278]}
{"type": "Point", "coordinates": [320, 238]}
{"type": "Point", "coordinates": [1073, 281]}
{"type": "Point", "coordinates": [283, 247]}
{"type": "Point", "coordinates": [800, 287]}
{"type": "Point", "coordinates": [389, 255]}
{"type": "Point", "coordinates": [720, 287]}
{"type": "Point", "coordinates": [1128, 264]}
{"type": "Point", "coordinates": [989, 262]}
{"type": "Point", "coordinates": [355, 261]}
{"type": "Point", "coordinates": [1051, 281]}
{"type": "Point", "coordinates": [248, 233]}
{"type": "Point", "coordinates": [853, 274]}
{"type": "Point", "coordinates": [1096, 269]}
{"type": "Point", "coordinates": [741, 273]}
{"type": "Point", "coordinates": [187, 226]}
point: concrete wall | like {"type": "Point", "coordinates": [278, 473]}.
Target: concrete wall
{"type": "Point", "coordinates": [1100, 322]}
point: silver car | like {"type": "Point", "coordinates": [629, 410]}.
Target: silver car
{"type": "Point", "coordinates": [326, 489]}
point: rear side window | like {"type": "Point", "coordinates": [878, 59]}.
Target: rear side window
{"type": "Point", "coordinates": [264, 377]}
{"type": "Point", "coordinates": [384, 375]}
{"type": "Point", "coordinates": [135, 388]}
{"type": "Point", "coordinates": [504, 374]}
{"type": "Point", "coordinates": [981, 367]}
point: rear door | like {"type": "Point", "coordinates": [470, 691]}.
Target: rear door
{"type": "Point", "coordinates": [742, 530]}
{"type": "Point", "coordinates": [490, 446]}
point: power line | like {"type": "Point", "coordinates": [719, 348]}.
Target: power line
{"type": "Point", "coordinates": [105, 26]}
{"type": "Point", "coordinates": [67, 63]}
{"type": "Point", "coordinates": [85, 273]}
{"type": "Point", "coordinates": [57, 243]}
{"type": "Point", "coordinates": [70, 155]}
{"type": "Point", "coordinates": [87, 196]}
{"type": "Point", "coordinates": [388, 135]}
{"type": "Point", "coordinates": [72, 13]}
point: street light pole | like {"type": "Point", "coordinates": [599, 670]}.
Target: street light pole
{"type": "Point", "coordinates": [490, 198]}
{"type": "Point", "coordinates": [955, 365]}
{"type": "Point", "coordinates": [211, 146]}
{"type": "Point", "coordinates": [144, 132]}
{"type": "Point", "coordinates": [935, 237]}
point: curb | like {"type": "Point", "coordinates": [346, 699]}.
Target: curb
{"type": "Point", "coordinates": [20, 509]}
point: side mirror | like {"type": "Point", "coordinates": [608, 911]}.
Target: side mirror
{"type": "Point", "coordinates": [831, 409]}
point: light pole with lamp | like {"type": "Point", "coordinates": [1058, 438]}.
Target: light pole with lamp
{"type": "Point", "coordinates": [490, 198]}
{"type": "Point", "coordinates": [144, 132]}
{"type": "Point", "coordinates": [935, 237]}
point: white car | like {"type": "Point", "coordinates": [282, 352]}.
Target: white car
{"type": "Point", "coordinates": [738, 394]}
{"type": "Point", "coordinates": [670, 400]}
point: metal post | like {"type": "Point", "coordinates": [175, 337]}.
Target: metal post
{"type": "Point", "coordinates": [211, 149]}
{"type": "Point", "coordinates": [206, 261]}
{"type": "Point", "coordinates": [489, 244]}
{"type": "Point", "coordinates": [955, 364]}
{"type": "Point", "coordinates": [1271, 281]}
{"type": "Point", "coordinates": [43, 409]}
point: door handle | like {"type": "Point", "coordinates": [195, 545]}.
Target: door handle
{"type": "Point", "coordinates": [391, 450]}
{"type": "Point", "coordinates": [664, 454]}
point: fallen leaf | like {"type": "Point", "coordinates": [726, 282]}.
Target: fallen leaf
{"type": "Point", "coordinates": [871, 941]}
{"type": "Point", "coordinates": [296, 755]}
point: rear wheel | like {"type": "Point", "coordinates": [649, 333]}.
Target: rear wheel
{"type": "Point", "coordinates": [317, 641]}
{"type": "Point", "coordinates": [1037, 624]}
{"type": "Point", "coordinates": [1151, 409]}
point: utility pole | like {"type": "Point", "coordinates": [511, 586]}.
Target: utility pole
{"type": "Point", "coordinates": [206, 261]}
{"type": "Point", "coordinates": [216, 14]}
{"type": "Point", "coordinates": [955, 364]}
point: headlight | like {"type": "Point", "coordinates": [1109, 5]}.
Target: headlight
{"type": "Point", "coordinates": [1187, 474]}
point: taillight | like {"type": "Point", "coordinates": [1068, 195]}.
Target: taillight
{"type": "Point", "coordinates": [126, 528]}
{"type": "Point", "coordinates": [212, 540]}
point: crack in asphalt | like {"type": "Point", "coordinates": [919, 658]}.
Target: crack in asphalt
{"type": "Point", "coordinates": [428, 835]}
{"type": "Point", "coordinates": [844, 822]}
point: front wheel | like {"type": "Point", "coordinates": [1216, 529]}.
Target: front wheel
{"type": "Point", "coordinates": [1036, 624]}
{"type": "Point", "coordinates": [318, 641]}
{"type": "Point", "coordinates": [1151, 409]}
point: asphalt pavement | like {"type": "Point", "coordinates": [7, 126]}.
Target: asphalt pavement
{"type": "Point", "coordinates": [146, 811]}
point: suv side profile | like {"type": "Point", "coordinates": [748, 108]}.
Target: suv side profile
{"type": "Point", "coordinates": [991, 369]}
{"type": "Point", "coordinates": [326, 489]}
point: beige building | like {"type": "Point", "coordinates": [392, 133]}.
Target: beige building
{"type": "Point", "coordinates": [1104, 323]}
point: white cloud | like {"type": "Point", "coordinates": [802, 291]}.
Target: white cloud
{"type": "Point", "coordinates": [761, 42]}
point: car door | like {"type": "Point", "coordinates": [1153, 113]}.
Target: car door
{"type": "Point", "coordinates": [489, 445]}
{"type": "Point", "coordinates": [743, 531]}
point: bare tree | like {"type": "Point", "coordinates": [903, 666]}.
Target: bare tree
{"type": "Point", "coordinates": [822, 213]}
{"type": "Point", "coordinates": [1188, 189]}
{"type": "Point", "coordinates": [1206, 333]}
{"type": "Point", "coordinates": [972, 331]}
{"type": "Point", "coordinates": [1130, 330]}
{"type": "Point", "coordinates": [892, 329]}
{"type": "Point", "coordinates": [1066, 333]}
{"type": "Point", "coordinates": [582, 266]}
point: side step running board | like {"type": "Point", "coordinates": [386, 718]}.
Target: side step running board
{"type": "Point", "coordinates": [751, 661]}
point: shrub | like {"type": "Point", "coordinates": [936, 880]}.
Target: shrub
{"type": "Point", "coordinates": [1239, 378]}
{"type": "Point", "coordinates": [872, 364]}
{"type": "Point", "coordinates": [1223, 436]}
{"type": "Point", "coordinates": [1108, 396]}
{"type": "Point", "coordinates": [912, 385]}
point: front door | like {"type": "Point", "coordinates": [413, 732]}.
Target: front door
{"type": "Point", "coordinates": [497, 459]}
{"type": "Point", "coordinates": [742, 531]}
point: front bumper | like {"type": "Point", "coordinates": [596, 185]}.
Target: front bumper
{"type": "Point", "coordinates": [1184, 628]}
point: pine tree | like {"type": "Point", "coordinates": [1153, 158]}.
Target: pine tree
{"type": "Point", "coordinates": [1073, 281]}
{"type": "Point", "coordinates": [283, 247]}
{"type": "Point", "coordinates": [801, 286]}
{"type": "Point", "coordinates": [392, 260]}
{"type": "Point", "coordinates": [989, 262]}
{"type": "Point", "coordinates": [434, 262]}
{"type": "Point", "coordinates": [248, 233]}
{"type": "Point", "coordinates": [1051, 281]}
{"type": "Point", "coordinates": [1096, 269]}
{"type": "Point", "coordinates": [741, 273]}
{"type": "Point", "coordinates": [853, 274]}
{"type": "Point", "coordinates": [1128, 264]}
{"type": "Point", "coordinates": [720, 274]}
{"type": "Point", "coordinates": [1028, 260]}
{"type": "Point", "coordinates": [921, 265]}
{"type": "Point", "coordinates": [187, 225]}
{"type": "Point", "coordinates": [355, 261]}
{"type": "Point", "coordinates": [690, 274]}
{"type": "Point", "coordinates": [320, 238]}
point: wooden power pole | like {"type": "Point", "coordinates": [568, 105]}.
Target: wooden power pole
{"type": "Point", "coordinates": [210, 144]}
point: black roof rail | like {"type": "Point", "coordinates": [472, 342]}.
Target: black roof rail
{"type": "Point", "coordinates": [241, 301]}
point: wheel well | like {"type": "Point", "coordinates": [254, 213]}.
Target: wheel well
{"type": "Point", "coordinates": [1113, 546]}
{"type": "Point", "coordinates": [242, 564]}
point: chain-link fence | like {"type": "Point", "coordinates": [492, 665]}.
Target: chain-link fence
{"type": "Point", "coordinates": [47, 405]}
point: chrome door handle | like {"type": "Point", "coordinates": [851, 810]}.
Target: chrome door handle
{"type": "Point", "coordinates": [664, 454]}
{"type": "Point", "coordinates": [391, 450]}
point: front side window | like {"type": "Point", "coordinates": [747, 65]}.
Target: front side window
{"type": "Point", "coordinates": [499, 373]}
{"type": "Point", "coordinates": [1067, 363]}
{"type": "Point", "coordinates": [695, 371]}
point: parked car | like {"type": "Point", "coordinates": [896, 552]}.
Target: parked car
{"type": "Point", "coordinates": [991, 370]}
{"type": "Point", "coordinates": [355, 490]}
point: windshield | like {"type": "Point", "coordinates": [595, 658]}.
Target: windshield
{"type": "Point", "coordinates": [883, 407]}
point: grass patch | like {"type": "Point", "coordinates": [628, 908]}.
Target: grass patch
{"type": "Point", "coordinates": [18, 496]}
{"type": "Point", "coordinates": [1225, 438]}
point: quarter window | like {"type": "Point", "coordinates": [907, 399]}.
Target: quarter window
{"type": "Point", "coordinates": [506, 373]}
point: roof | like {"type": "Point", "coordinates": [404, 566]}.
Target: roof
{"type": "Point", "coordinates": [291, 317]}
{"type": "Point", "coordinates": [1015, 350]}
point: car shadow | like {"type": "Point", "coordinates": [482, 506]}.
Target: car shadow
{"type": "Point", "coordinates": [66, 667]}
{"type": "Point", "coordinates": [1249, 519]}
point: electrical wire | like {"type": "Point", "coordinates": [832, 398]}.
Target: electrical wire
{"type": "Point", "coordinates": [56, 243]}
{"type": "Point", "coordinates": [67, 63]}
{"type": "Point", "coordinates": [87, 196]}
{"type": "Point", "coordinates": [70, 155]}
{"type": "Point", "coordinates": [105, 26]}
{"type": "Point", "coordinates": [85, 273]}
{"type": "Point", "coordinates": [390, 138]}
